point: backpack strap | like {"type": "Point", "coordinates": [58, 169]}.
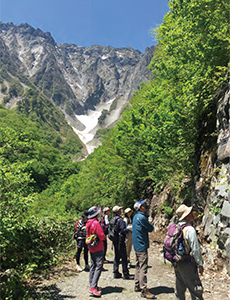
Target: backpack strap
{"type": "Point", "coordinates": [184, 228]}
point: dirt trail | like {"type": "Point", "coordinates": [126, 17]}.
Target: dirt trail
{"type": "Point", "coordinates": [67, 284]}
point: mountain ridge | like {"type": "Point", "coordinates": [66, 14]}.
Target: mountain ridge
{"type": "Point", "coordinates": [76, 79]}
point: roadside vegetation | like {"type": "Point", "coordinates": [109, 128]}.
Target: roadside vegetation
{"type": "Point", "coordinates": [43, 192]}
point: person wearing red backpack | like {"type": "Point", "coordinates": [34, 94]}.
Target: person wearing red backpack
{"type": "Point", "coordinates": [80, 236]}
{"type": "Point", "coordinates": [186, 272]}
{"type": "Point", "coordinates": [93, 227]}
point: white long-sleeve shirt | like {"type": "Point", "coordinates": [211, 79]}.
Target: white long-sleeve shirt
{"type": "Point", "coordinates": [192, 242]}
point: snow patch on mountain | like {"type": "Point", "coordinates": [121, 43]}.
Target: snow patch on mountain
{"type": "Point", "coordinates": [90, 121]}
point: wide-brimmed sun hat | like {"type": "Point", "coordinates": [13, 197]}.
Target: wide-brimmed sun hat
{"type": "Point", "coordinates": [138, 204]}
{"type": "Point", "coordinates": [93, 212]}
{"type": "Point", "coordinates": [183, 211]}
{"type": "Point", "coordinates": [116, 208]}
{"type": "Point", "coordinates": [127, 210]}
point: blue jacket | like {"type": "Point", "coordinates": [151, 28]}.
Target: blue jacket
{"type": "Point", "coordinates": [141, 229]}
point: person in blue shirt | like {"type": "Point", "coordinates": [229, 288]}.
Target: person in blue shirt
{"type": "Point", "coordinates": [141, 229]}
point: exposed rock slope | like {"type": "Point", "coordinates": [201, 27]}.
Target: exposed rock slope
{"type": "Point", "coordinates": [78, 80]}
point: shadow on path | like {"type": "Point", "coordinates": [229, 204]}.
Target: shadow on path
{"type": "Point", "coordinates": [161, 290]}
{"type": "Point", "coordinates": [111, 289]}
{"type": "Point", "coordinates": [50, 292]}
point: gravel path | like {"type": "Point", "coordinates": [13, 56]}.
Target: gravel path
{"type": "Point", "coordinates": [68, 284]}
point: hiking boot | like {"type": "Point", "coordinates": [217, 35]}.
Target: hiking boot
{"type": "Point", "coordinates": [146, 294]}
{"type": "Point", "coordinates": [78, 268]}
{"type": "Point", "coordinates": [87, 268]}
{"type": "Point", "coordinates": [137, 288]}
{"type": "Point", "coordinates": [117, 275]}
{"type": "Point", "coordinates": [128, 277]}
{"type": "Point", "coordinates": [94, 292]}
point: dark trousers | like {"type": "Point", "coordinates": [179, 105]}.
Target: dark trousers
{"type": "Point", "coordinates": [187, 277]}
{"type": "Point", "coordinates": [120, 254]}
{"type": "Point", "coordinates": [105, 247]}
{"type": "Point", "coordinates": [80, 245]}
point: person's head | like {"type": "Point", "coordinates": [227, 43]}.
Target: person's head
{"type": "Point", "coordinates": [141, 206]}
{"type": "Point", "coordinates": [106, 211]}
{"type": "Point", "coordinates": [85, 215]}
{"type": "Point", "coordinates": [186, 213]}
{"type": "Point", "coordinates": [117, 210]}
{"type": "Point", "coordinates": [128, 212]}
{"type": "Point", "coordinates": [94, 212]}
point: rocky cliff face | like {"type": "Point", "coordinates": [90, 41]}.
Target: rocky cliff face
{"type": "Point", "coordinates": [216, 176]}
{"type": "Point", "coordinates": [83, 82]}
{"type": "Point", "coordinates": [211, 190]}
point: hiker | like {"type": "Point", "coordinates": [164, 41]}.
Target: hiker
{"type": "Point", "coordinates": [141, 229]}
{"type": "Point", "coordinates": [105, 225]}
{"type": "Point", "coordinates": [80, 236]}
{"type": "Point", "coordinates": [119, 245]}
{"type": "Point", "coordinates": [97, 252]}
{"type": "Point", "coordinates": [187, 271]}
{"type": "Point", "coordinates": [128, 242]}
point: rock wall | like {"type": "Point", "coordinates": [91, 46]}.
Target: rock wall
{"type": "Point", "coordinates": [216, 220]}
{"type": "Point", "coordinates": [211, 194]}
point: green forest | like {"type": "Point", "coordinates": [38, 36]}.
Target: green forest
{"type": "Point", "coordinates": [156, 143]}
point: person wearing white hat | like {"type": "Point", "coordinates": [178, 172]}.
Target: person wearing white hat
{"type": "Point", "coordinates": [186, 272]}
{"type": "Point", "coordinates": [119, 245]}
{"type": "Point", "coordinates": [128, 242]}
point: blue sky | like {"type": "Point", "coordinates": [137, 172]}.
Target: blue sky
{"type": "Point", "coordinates": [116, 23]}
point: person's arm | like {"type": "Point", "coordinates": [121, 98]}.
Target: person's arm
{"type": "Point", "coordinates": [99, 231]}
{"type": "Point", "coordinates": [106, 220]}
{"type": "Point", "coordinates": [147, 224]}
{"type": "Point", "coordinates": [193, 242]}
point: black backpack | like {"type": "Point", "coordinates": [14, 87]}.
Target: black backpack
{"type": "Point", "coordinates": [80, 230]}
{"type": "Point", "coordinates": [112, 230]}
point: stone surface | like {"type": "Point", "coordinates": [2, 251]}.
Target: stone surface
{"type": "Point", "coordinates": [226, 209]}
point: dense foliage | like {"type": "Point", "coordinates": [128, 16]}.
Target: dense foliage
{"type": "Point", "coordinates": [28, 243]}
{"type": "Point", "coordinates": [153, 145]}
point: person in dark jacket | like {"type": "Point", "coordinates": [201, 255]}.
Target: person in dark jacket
{"type": "Point", "coordinates": [141, 229]}
{"type": "Point", "coordinates": [80, 235]}
{"type": "Point", "coordinates": [119, 246]}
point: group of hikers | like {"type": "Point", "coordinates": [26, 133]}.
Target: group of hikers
{"type": "Point", "coordinates": [95, 226]}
